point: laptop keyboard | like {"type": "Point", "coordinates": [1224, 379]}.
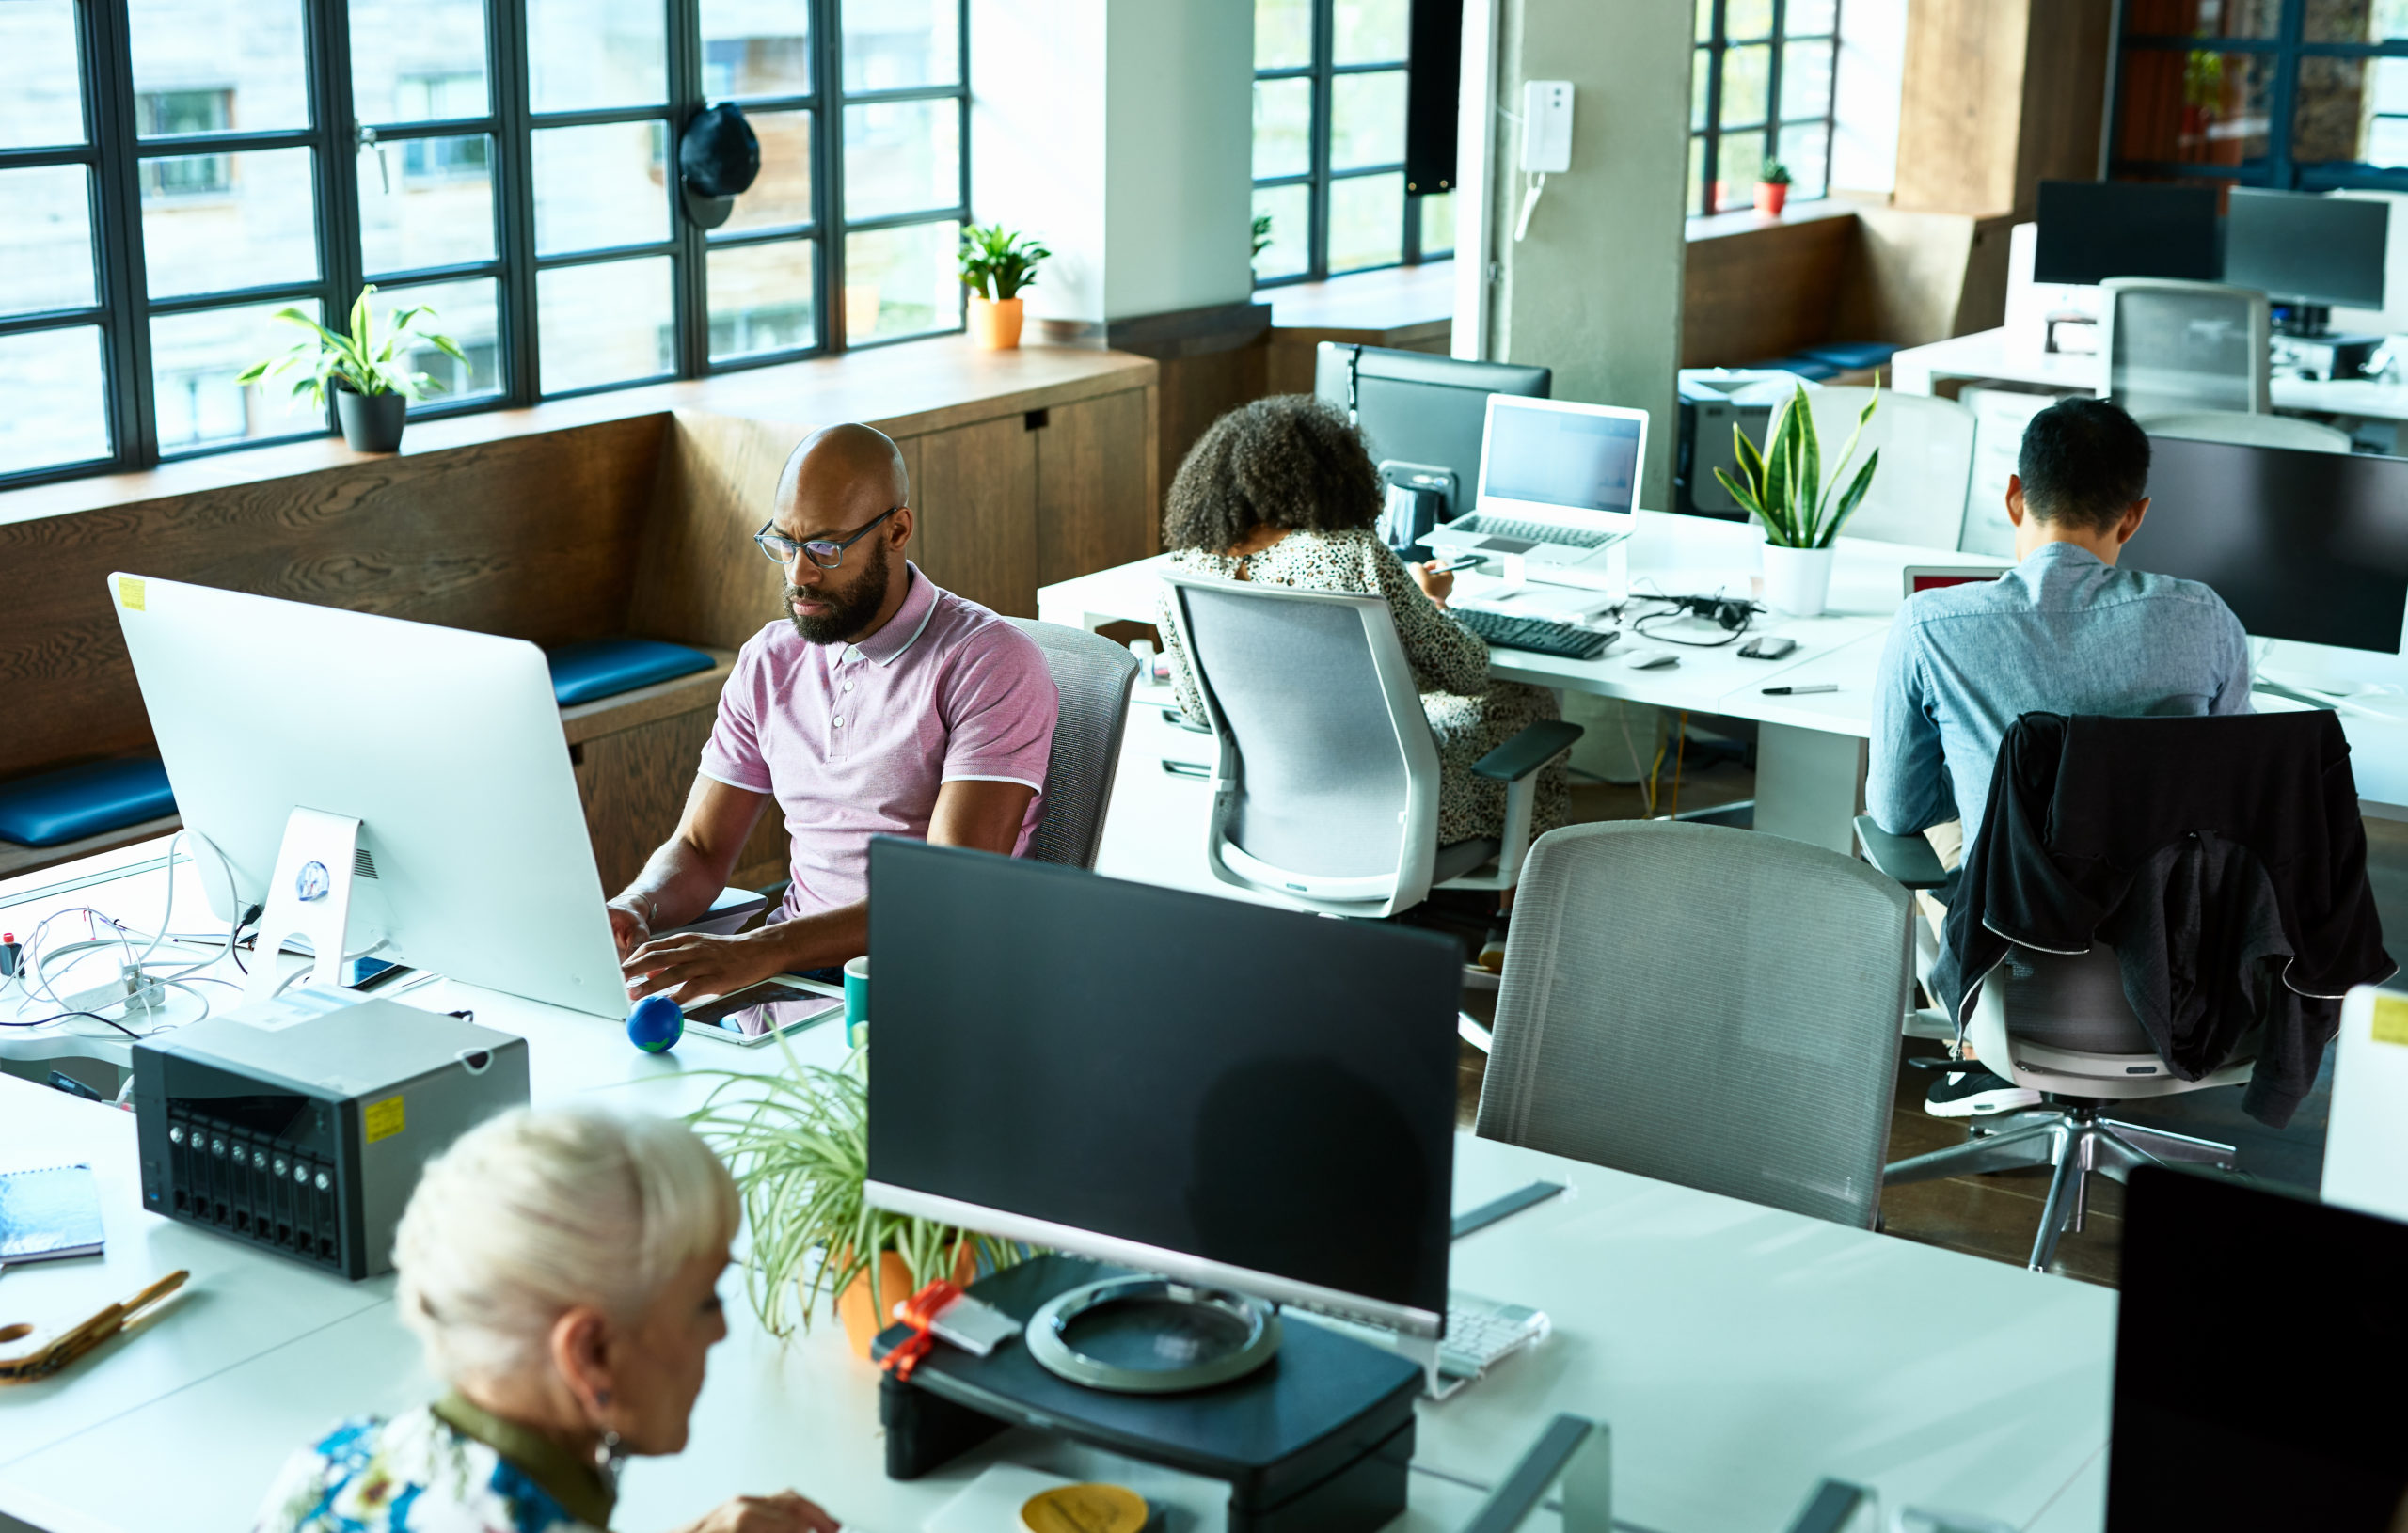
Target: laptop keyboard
{"type": "Point", "coordinates": [1540, 635]}
{"type": "Point", "coordinates": [1487, 524]}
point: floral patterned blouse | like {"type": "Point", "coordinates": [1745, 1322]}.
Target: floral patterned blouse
{"type": "Point", "coordinates": [432, 1471]}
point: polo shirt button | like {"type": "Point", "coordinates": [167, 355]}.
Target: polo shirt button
{"type": "Point", "coordinates": [840, 721]}
{"type": "Point", "coordinates": [849, 687]}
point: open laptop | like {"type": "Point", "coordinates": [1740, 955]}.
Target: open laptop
{"type": "Point", "coordinates": [1559, 486]}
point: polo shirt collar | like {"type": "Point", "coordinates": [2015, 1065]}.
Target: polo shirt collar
{"type": "Point", "coordinates": [904, 629]}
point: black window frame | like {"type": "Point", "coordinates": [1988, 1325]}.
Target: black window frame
{"type": "Point", "coordinates": [114, 155]}
{"type": "Point", "coordinates": [1320, 176]}
{"type": "Point", "coordinates": [1716, 46]}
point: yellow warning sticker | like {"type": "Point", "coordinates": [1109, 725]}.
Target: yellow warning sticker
{"type": "Point", "coordinates": [383, 1119]}
{"type": "Point", "coordinates": [132, 591]}
{"type": "Point", "coordinates": [2391, 1019]}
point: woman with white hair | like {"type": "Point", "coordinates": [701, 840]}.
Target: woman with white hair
{"type": "Point", "coordinates": [562, 1268]}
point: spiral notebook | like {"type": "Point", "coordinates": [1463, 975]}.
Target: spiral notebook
{"type": "Point", "coordinates": [49, 1214]}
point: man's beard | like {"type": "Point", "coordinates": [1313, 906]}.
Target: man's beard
{"type": "Point", "coordinates": [847, 614]}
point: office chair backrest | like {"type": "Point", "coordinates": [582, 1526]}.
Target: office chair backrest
{"type": "Point", "coordinates": [1708, 1006]}
{"type": "Point", "coordinates": [1328, 775]}
{"type": "Point", "coordinates": [2248, 429]}
{"type": "Point", "coordinates": [1094, 676]}
{"type": "Point", "coordinates": [2183, 346]}
{"type": "Point", "coordinates": [1927, 446]}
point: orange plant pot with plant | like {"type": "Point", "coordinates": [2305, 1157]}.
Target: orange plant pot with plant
{"type": "Point", "coordinates": [994, 323]}
{"type": "Point", "coordinates": [864, 1319]}
{"type": "Point", "coordinates": [996, 263]}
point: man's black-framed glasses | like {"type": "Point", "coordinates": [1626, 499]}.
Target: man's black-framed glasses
{"type": "Point", "coordinates": [781, 549]}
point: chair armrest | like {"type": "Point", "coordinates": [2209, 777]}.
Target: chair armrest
{"type": "Point", "coordinates": [1910, 860]}
{"type": "Point", "coordinates": [1528, 752]}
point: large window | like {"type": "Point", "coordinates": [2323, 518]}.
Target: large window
{"type": "Point", "coordinates": [173, 172]}
{"type": "Point", "coordinates": [1761, 88]}
{"type": "Point", "coordinates": [2276, 93]}
{"type": "Point", "coordinates": [1329, 99]}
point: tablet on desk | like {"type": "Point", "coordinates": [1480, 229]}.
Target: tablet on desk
{"type": "Point", "coordinates": [774, 1008]}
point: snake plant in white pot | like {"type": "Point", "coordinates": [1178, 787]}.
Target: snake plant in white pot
{"type": "Point", "coordinates": [1801, 512]}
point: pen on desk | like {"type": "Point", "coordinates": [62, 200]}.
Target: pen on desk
{"type": "Point", "coordinates": [1800, 692]}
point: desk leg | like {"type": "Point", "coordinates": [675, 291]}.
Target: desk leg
{"type": "Point", "coordinates": [1806, 784]}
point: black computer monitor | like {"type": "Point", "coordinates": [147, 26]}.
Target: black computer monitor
{"type": "Point", "coordinates": [2298, 248]}
{"type": "Point", "coordinates": [2259, 1346]}
{"type": "Point", "coordinates": [2090, 230]}
{"type": "Point", "coordinates": [1222, 1092]}
{"type": "Point", "coordinates": [1422, 410]}
{"type": "Point", "coordinates": [2310, 546]}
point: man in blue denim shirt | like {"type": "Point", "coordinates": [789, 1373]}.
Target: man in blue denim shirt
{"type": "Point", "coordinates": [2065, 631]}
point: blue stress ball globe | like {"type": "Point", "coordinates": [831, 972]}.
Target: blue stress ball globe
{"type": "Point", "coordinates": [653, 1025]}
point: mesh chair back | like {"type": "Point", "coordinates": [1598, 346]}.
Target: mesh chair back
{"type": "Point", "coordinates": [1713, 1007]}
{"type": "Point", "coordinates": [1926, 447]}
{"type": "Point", "coordinates": [2249, 430]}
{"type": "Point", "coordinates": [1094, 676]}
{"type": "Point", "coordinates": [2186, 346]}
{"type": "Point", "coordinates": [1325, 772]}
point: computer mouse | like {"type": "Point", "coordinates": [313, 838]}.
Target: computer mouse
{"type": "Point", "coordinates": [1650, 659]}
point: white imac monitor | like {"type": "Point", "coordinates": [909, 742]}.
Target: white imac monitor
{"type": "Point", "coordinates": [1562, 461]}
{"type": "Point", "coordinates": [378, 786]}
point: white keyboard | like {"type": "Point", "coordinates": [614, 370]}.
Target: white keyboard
{"type": "Point", "coordinates": [1485, 525]}
{"type": "Point", "coordinates": [1482, 1332]}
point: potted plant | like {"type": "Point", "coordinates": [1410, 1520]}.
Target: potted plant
{"type": "Point", "coordinates": [798, 1143]}
{"type": "Point", "coordinates": [1772, 189]}
{"type": "Point", "coordinates": [369, 372]}
{"type": "Point", "coordinates": [1261, 235]}
{"type": "Point", "coordinates": [1784, 489]}
{"type": "Point", "coordinates": [996, 264]}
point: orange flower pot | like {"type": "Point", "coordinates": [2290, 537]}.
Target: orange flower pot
{"type": "Point", "coordinates": [994, 323]}
{"type": "Point", "coordinates": [1771, 196]}
{"type": "Point", "coordinates": [862, 1322]}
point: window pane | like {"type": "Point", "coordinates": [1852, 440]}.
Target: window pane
{"type": "Point", "coordinates": [1746, 20]}
{"type": "Point", "coordinates": [46, 240]}
{"type": "Point", "coordinates": [1371, 32]}
{"type": "Point", "coordinates": [1283, 34]}
{"type": "Point", "coordinates": [1738, 160]}
{"type": "Point", "coordinates": [1438, 225]}
{"type": "Point", "coordinates": [215, 222]}
{"type": "Point", "coordinates": [426, 202]}
{"type": "Point", "coordinates": [1747, 73]}
{"type": "Point", "coordinates": [42, 96]}
{"type": "Point", "coordinates": [782, 196]}
{"type": "Point", "coordinates": [1290, 209]}
{"type": "Point", "coordinates": [250, 55]}
{"type": "Point", "coordinates": [754, 48]}
{"type": "Point", "coordinates": [2241, 19]}
{"type": "Point", "coordinates": [54, 409]}
{"type": "Point", "coordinates": [600, 186]}
{"type": "Point", "coordinates": [1804, 145]}
{"type": "Point", "coordinates": [466, 312]}
{"type": "Point", "coordinates": [901, 281]}
{"type": "Point", "coordinates": [586, 55]}
{"type": "Point", "coordinates": [1283, 126]}
{"type": "Point", "coordinates": [605, 324]}
{"type": "Point", "coordinates": [1815, 18]}
{"type": "Point", "coordinates": [1366, 119]}
{"type": "Point", "coordinates": [1697, 203]}
{"type": "Point", "coordinates": [902, 157]}
{"type": "Point", "coordinates": [2350, 109]}
{"type": "Point", "coordinates": [761, 299]}
{"type": "Point", "coordinates": [1700, 86]}
{"type": "Point", "coordinates": [418, 60]}
{"type": "Point", "coordinates": [893, 44]}
{"type": "Point", "coordinates": [2207, 108]}
{"type": "Point", "coordinates": [194, 359]}
{"type": "Point", "coordinates": [1366, 222]}
{"type": "Point", "coordinates": [1706, 20]}
{"type": "Point", "coordinates": [1806, 80]}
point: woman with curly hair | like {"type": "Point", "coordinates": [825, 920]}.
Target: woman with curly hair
{"type": "Point", "coordinates": [1282, 491]}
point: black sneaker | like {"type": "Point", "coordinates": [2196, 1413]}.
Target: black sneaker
{"type": "Point", "coordinates": [1976, 1093]}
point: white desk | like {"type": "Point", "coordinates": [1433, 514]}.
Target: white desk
{"type": "Point", "coordinates": [1922, 370]}
{"type": "Point", "coordinates": [1740, 1354]}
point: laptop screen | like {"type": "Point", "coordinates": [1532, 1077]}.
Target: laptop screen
{"type": "Point", "coordinates": [1577, 459]}
{"type": "Point", "coordinates": [1940, 580]}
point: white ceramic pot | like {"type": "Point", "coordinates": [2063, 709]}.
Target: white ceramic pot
{"type": "Point", "coordinates": [1798, 581]}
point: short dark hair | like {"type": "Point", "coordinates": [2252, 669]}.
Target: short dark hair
{"type": "Point", "coordinates": [1288, 461]}
{"type": "Point", "coordinates": [2084, 463]}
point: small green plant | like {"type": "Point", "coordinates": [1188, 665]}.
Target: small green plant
{"type": "Point", "coordinates": [996, 263]}
{"type": "Point", "coordinates": [1774, 174]}
{"type": "Point", "coordinates": [1261, 233]}
{"type": "Point", "coordinates": [1784, 488]}
{"type": "Point", "coordinates": [798, 1143]}
{"type": "Point", "coordinates": [363, 362]}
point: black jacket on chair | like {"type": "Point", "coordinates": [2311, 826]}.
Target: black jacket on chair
{"type": "Point", "coordinates": [2223, 859]}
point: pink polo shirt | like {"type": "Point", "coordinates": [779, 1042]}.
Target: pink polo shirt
{"type": "Point", "coordinates": [853, 740]}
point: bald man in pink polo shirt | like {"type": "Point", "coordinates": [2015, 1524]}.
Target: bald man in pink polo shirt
{"type": "Point", "coordinates": [879, 705]}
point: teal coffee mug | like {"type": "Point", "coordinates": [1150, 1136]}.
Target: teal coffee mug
{"type": "Point", "coordinates": [856, 1000]}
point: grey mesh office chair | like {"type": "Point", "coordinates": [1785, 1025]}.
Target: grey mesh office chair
{"type": "Point", "coordinates": [1094, 676]}
{"type": "Point", "coordinates": [2248, 429]}
{"type": "Point", "coordinates": [1753, 1054]}
{"type": "Point", "coordinates": [2184, 346]}
{"type": "Point", "coordinates": [2061, 1025]}
{"type": "Point", "coordinates": [1325, 790]}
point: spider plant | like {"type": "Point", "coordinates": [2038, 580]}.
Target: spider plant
{"type": "Point", "coordinates": [1784, 488]}
{"type": "Point", "coordinates": [362, 361]}
{"type": "Point", "coordinates": [797, 1144]}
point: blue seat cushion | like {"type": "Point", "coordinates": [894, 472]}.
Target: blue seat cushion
{"type": "Point", "coordinates": [79, 801]}
{"type": "Point", "coordinates": [607, 667]}
{"type": "Point", "coordinates": [1852, 355]}
{"type": "Point", "coordinates": [1807, 367]}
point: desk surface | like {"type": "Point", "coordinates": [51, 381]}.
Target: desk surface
{"type": "Point", "coordinates": [1740, 1353]}
{"type": "Point", "coordinates": [1986, 355]}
